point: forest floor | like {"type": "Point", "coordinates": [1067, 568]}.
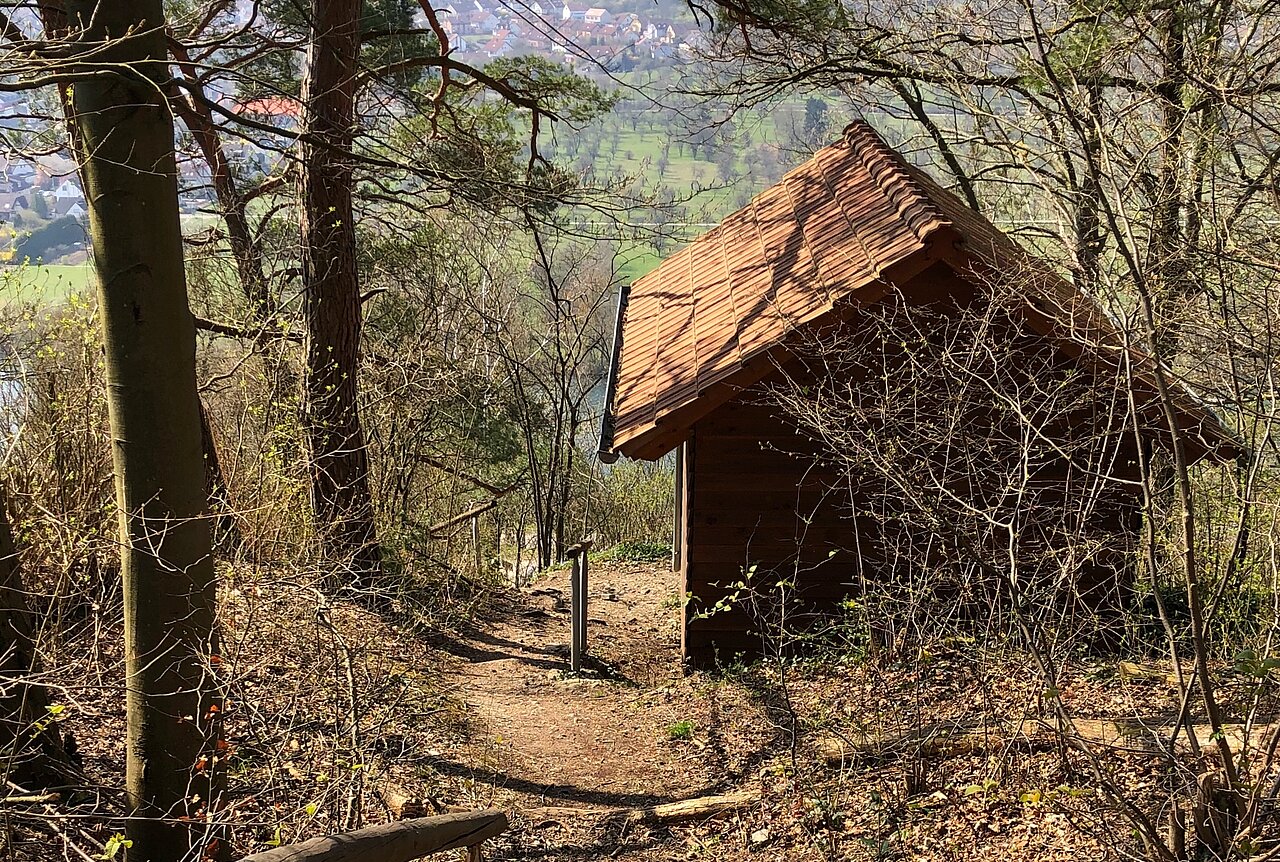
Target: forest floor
{"type": "Point", "coordinates": [556, 750]}
{"type": "Point", "coordinates": [559, 750]}
{"type": "Point", "coordinates": [338, 716]}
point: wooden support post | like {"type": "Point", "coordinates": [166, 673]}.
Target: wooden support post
{"type": "Point", "coordinates": [578, 605]}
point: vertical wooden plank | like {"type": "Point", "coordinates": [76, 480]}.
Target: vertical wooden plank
{"type": "Point", "coordinates": [688, 463]}
{"type": "Point", "coordinates": [578, 604]}
{"type": "Point", "coordinates": [677, 526]}
{"type": "Point", "coordinates": [584, 578]}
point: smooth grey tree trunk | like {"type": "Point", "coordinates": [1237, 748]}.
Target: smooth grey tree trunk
{"type": "Point", "coordinates": [125, 135]}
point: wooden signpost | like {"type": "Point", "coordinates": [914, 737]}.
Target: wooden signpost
{"type": "Point", "coordinates": [578, 605]}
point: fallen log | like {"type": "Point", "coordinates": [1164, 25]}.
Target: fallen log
{"type": "Point", "coordinates": [31, 799]}
{"type": "Point", "coordinates": [1131, 671]}
{"type": "Point", "coordinates": [667, 812]}
{"type": "Point", "coordinates": [402, 841]}
{"type": "Point", "coordinates": [446, 467]}
{"type": "Point", "coordinates": [955, 739]}
{"type": "Point", "coordinates": [692, 809]}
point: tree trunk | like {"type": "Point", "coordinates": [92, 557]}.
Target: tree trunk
{"type": "Point", "coordinates": [340, 497]}
{"type": "Point", "coordinates": [126, 139]}
{"type": "Point", "coordinates": [1170, 253]}
{"type": "Point", "coordinates": [198, 118]}
{"type": "Point", "coordinates": [30, 742]}
{"type": "Point", "coordinates": [1088, 238]}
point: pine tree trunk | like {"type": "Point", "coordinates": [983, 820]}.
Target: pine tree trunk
{"type": "Point", "coordinates": [340, 496]}
{"type": "Point", "coordinates": [126, 138]}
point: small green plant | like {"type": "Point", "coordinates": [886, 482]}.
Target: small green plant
{"type": "Point", "coordinates": [988, 787]}
{"type": "Point", "coordinates": [114, 845]}
{"type": "Point", "coordinates": [680, 730]}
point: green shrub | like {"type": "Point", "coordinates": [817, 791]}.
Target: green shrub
{"type": "Point", "coordinates": [636, 552]}
{"type": "Point", "coordinates": [629, 502]}
{"type": "Point", "coordinates": [680, 730]}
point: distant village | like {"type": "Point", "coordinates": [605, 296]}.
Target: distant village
{"type": "Point", "coordinates": [612, 39]}
{"type": "Point", "coordinates": [42, 206]}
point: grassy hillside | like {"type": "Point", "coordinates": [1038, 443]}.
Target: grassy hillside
{"type": "Point", "coordinates": [44, 283]}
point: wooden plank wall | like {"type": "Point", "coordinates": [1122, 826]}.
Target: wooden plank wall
{"type": "Point", "coordinates": [753, 497]}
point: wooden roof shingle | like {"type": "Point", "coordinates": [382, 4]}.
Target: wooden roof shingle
{"type": "Point", "coordinates": [843, 228]}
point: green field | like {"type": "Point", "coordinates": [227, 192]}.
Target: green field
{"type": "Point", "coordinates": [49, 283]}
{"type": "Point", "coordinates": [636, 261]}
{"type": "Point", "coordinates": [43, 283]}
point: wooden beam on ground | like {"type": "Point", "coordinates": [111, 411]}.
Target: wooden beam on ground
{"type": "Point", "coordinates": [402, 841]}
{"type": "Point", "coordinates": [667, 812]}
{"type": "Point", "coordinates": [698, 808]}
{"type": "Point", "coordinates": [955, 739]}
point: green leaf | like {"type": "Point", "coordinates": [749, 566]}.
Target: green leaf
{"type": "Point", "coordinates": [113, 846]}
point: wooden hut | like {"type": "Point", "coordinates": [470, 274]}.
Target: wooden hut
{"type": "Point", "coordinates": [700, 337]}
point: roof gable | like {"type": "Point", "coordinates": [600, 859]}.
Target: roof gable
{"type": "Point", "coordinates": [839, 231]}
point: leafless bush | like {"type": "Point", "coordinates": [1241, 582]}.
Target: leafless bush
{"type": "Point", "coordinates": [630, 501]}
{"type": "Point", "coordinates": [56, 454]}
{"type": "Point", "coordinates": [1005, 496]}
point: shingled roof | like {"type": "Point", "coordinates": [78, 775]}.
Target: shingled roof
{"type": "Point", "coordinates": [841, 230]}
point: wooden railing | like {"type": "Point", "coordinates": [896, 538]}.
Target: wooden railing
{"type": "Point", "coordinates": [402, 841]}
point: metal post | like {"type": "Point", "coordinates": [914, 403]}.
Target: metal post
{"type": "Point", "coordinates": [578, 605]}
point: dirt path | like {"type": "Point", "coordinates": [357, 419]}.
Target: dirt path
{"type": "Point", "coordinates": [602, 739]}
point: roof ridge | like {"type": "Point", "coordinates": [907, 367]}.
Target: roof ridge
{"type": "Point", "coordinates": [893, 174]}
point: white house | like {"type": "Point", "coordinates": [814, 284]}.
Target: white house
{"type": "Point", "coordinates": [68, 190]}
{"type": "Point", "coordinates": [661, 32]}
{"type": "Point", "coordinates": [572, 12]}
